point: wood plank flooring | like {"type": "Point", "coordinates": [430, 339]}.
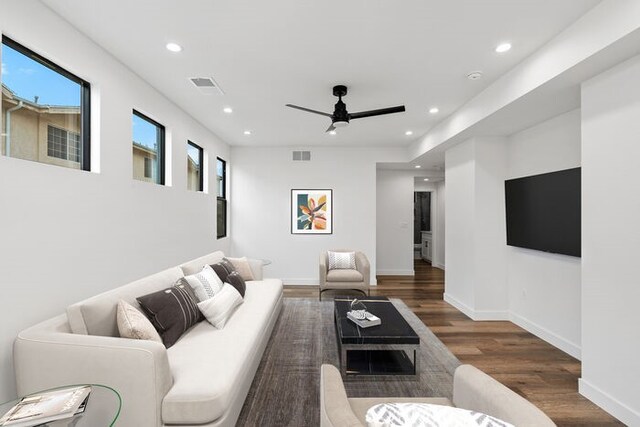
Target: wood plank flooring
{"type": "Point", "coordinates": [528, 365]}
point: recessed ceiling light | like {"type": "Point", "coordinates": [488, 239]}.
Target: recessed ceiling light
{"type": "Point", "coordinates": [426, 179]}
{"type": "Point", "coordinates": [174, 47]}
{"type": "Point", "coordinates": [409, 132]}
{"type": "Point", "coordinates": [228, 110]}
{"type": "Point", "coordinates": [474, 75]}
{"type": "Point", "coordinates": [332, 132]}
{"type": "Point", "coordinates": [503, 47]}
{"type": "Point", "coordinates": [434, 110]}
{"type": "Point", "coordinates": [417, 166]}
{"type": "Point", "coordinates": [247, 132]}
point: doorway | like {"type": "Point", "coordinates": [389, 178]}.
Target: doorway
{"type": "Point", "coordinates": [422, 237]}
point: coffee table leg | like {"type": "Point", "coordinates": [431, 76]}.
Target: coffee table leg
{"type": "Point", "coordinates": [343, 362]}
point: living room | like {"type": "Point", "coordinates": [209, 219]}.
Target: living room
{"type": "Point", "coordinates": [563, 94]}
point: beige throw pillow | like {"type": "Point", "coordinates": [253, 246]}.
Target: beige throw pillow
{"type": "Point", "coordinates": [133, 324]}
{"type": "Point", "coordinates": [242, 266]}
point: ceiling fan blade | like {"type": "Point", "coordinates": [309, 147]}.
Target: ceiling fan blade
{"type": "Point", "coordinates": [330, 128]}
{"type": "Point", "coordinates": [308, 110]}
{"type": "Point", "coordinates": [381, 111]}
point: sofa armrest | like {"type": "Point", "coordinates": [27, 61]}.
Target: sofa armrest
{"type": "Point", "coordinates": [476, 391]}
{"type": "Point", "coordinates": [363, 266]}
{"type": "Point", "coordinates": [49, 355]}
{"type": "Point", "coordinates": [322, 269]}
{"type": "Point", "coordinates": [335, 410]}
{"type": "Point", "coordinates": [257, 266]}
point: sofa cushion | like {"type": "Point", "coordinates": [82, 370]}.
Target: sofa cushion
{"type": "Point", "coordinates": [205, 283]}
{"type": "Point", "coordinates": [194, 266]}
{"type": "Point", "coordinates": [209, 365]}
{"type": "Point", "coordinates": [235, 280]}
{"type": "Point", "coordinates": [172, 311]}
{"type": "Point", "coordinates": [341, 260]}
{"type": "Point", "coordinates": [219, 308]}
{"type": "Point", "coordinates": [360, 405]}
{"type": "Point", "coordinates": [344, 276]}
{"type": "Point", "coordinates": [97, 315]}
{"type": "Point", "coordinates": [242, 266]}
{"type": "Point", "coordinates": [135, 325]}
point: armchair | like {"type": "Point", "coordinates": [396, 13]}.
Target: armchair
{"type": "Point", "coordinates": [345, 279]}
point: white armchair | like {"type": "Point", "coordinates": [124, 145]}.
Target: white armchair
{"type": "Point", "coordinates": [345, 279]}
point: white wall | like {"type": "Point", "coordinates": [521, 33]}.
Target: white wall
{"type": "Point", "coordinates": [460, 201]}
{"type": "Point", "coordinates": [544, 288]}
{"type": "Point", "coordinates": [611, 241]}
{"type": "Point", "coordinates": [262, 179]}
{"type": "Point", "coordinates": [476, 252]}
{"type": "Point", "coordinates": [68, 234]}
{"type": "Point", "coordinates": [394, 222]}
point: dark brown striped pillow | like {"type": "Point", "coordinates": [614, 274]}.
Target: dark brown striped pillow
{"type": "Point", "coordinates": [172, 311]}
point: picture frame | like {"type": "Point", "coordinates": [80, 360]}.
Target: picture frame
{"type": "Point", "coordinates": [311, 211]}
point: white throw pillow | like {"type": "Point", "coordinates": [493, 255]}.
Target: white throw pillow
{"type": "Point", "coordinates": [219, 309]}
{"type": "Point", "coordinates": [205, 284]}
{"type": "Point", "coordinates": [133, 324]}
{"type": "Point", "coordinates": [427, 415]}
{"type": "Point", "coordinates": [342, 260]}
{"type": "Point", "coordinates": [242, 266]}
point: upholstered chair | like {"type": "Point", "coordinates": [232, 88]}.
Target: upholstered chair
{"type": "Point", "coordinates": [345, 279]}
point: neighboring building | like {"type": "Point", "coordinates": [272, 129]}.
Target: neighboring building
{"type": "Point", "coordinates": [144, 163]}
{"type": "Point", "coordinates": [193, 175]}
{"type": "Point", "coordinates": [42, 133]}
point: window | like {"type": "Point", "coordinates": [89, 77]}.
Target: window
{"type": "Point", "coordinates": [221, 208]}
{"type": "Point", "coordinates": [63, 144]}
{"type": "Point", "coordinates": [148, 149]}
{"type": "Point", "coordinates": [195, 156]}
{"type": "Point", "coordinates": [45, 110]}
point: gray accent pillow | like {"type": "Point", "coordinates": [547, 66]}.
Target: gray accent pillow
{"type": "Point", "coordinates": [236, 280]}
{"type": "Point", "coordinates": [223, 269]}
{"type": "Point", "coordinates": [172, 311]}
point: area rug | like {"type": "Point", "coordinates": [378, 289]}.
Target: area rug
{"type": "Point", "coordinates": [286, 388]}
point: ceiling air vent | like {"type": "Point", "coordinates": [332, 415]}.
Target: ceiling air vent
{"type": "Point", "coordinates": [206, 85]}
{"type": "Point", "coordinates": [302, 156]}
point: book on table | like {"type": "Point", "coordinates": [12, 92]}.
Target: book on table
{"type": "Point", "coordinates": [364, 320]}
{"type": "Point", "coordinates": [48, 406]}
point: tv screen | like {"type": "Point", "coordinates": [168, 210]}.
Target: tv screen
{"type": "Point", "coordinates": [543, 212]}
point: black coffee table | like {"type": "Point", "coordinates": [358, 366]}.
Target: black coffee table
{"type": "Point", "coordinates": [383, 350]}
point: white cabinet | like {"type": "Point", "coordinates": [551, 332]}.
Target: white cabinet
{"type": "Point", "coordinates": [426, 246]}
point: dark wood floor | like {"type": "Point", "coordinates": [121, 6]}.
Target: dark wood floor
{"type": "Point", "coordinates": [536, 370]}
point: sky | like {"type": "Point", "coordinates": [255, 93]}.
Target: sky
{"type": "Point", "coordinates": [144, 132]}
{"type": "Point", "coordinates": [28, 78]}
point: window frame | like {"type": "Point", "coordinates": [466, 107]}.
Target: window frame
{"type": "Point", "coordinates": [200, 163]}
{"type": "Point", "coordinates": [85, 96]}
{"type": "Point", "coordinates": [222, 198]}
{"type": "Point", "coordinates": [161, 148]}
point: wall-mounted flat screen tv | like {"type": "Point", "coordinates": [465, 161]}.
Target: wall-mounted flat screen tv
{"type": "Point", "coordinates": [543, 212]}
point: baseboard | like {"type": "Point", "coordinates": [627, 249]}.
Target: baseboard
{"type": "Point", "coordinates": [437, 265]}
{"type": "Point", "coordinates": [476, 314]}
{"type": "Point", "coordinates": [607, 402]}
{"type": "Point", "coordinates": [395, 273]}
{"type": "Point", "coordinates": [545, 334]}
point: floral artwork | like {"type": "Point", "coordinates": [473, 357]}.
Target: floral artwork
{"type": "Point", "coordinates": [311, 211]}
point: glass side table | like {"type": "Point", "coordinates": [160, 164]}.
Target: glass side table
{"type": "Point", "coordinates": [103, 408]}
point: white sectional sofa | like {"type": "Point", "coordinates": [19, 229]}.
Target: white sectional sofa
{"type": "Point", "coordinates": [202, 380]}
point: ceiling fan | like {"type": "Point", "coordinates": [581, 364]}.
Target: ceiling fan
{"type": "Point", "coordinates": [341, 116]}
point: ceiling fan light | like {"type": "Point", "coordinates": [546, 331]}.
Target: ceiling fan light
{"type": "Point", "coordinates": [340, 124]}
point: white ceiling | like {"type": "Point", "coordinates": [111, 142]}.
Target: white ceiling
{"type": "Point", "coordinates": [265, 54]}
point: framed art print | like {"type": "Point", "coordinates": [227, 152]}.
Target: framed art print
{"type": "Point", "coordinates": [312, 211]}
